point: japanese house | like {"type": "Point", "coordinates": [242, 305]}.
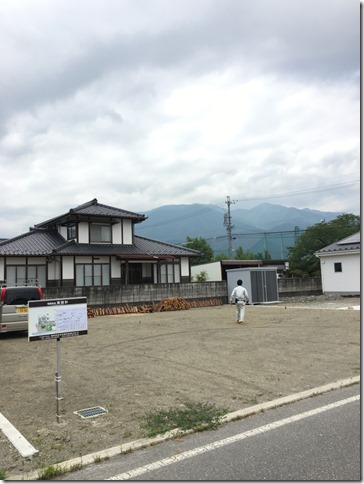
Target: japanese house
{"type": "Point", "coordinates": [92, 245]}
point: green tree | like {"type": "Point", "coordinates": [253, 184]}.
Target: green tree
{"type": "Point", "coordinates": [241, 254]}
{"type": "Point", "coordinates": [201, 276]}
{"type": "Point", "coordinates": [221, 256]}
{"type": "Point", "coordinates": [265, 255]}
{"type": "Point", "coordinates": [200, 244]}
{"type": "Point", "coordinates": [302, 259]}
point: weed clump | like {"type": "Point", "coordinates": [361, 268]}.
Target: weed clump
{"type": "Point", "coordinates": [196, 416]}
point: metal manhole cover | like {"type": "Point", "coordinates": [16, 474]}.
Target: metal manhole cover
{"type": "Point", "coordinates": [91, 412]}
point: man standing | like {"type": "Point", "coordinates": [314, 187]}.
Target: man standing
{"type": "Point", "coordinates": [240, 297]}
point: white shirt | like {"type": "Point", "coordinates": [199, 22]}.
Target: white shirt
{"type": "Point", "coordinates": [239, 292]}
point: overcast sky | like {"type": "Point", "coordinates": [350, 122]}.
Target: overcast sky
{"type": "Point", "coordinates": [144, 103]}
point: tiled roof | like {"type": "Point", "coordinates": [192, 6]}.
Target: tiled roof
{"type": "Point", "coordinates": [155, 247]}
{"type": "Point", "coordinates": [46, 242]}
{"type": "Point", "coordinates": [349, 244]}
{"type": "Point", "coordinates": [95, 209]}
{"type": "Point", "coordinates": [34, 242]}
{"type": "Point", "coordinates": [141, 247]}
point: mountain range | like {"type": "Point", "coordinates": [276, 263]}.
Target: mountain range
{"type": "Point", "coordinates": [267, 226]}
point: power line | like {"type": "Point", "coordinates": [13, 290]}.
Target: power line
{"type": "Point", "coordinates": [337, 186]}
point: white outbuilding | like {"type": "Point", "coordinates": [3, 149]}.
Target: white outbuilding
{"type": "Point", "coordinates": [340, 266]}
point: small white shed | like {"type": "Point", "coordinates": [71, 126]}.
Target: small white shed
{"type": "Point", "coordinates": [340, 266]}
{"type": "Point", "coordinates": [261, 283]}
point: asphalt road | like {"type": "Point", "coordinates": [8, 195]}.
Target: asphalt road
{"type": "Point", "coordinates": [314, 439]}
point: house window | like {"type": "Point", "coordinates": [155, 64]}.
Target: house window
{"type": "Point", "coordinates": [338, 267]}
{"type": "Point", "coordinates": [100, 233]}
{"type": "Point", "coordinates": [170, 273]}
{"type": "Point", "coordinates": [71, 232]}
{"type": "Point", "coordinates": [20, 275]}
{"type": "Point", "coordinates": [92, 274]}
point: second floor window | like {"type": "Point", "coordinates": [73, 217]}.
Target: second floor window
{"type": "Point", "coordinates": [71, 232]}
{"type": "Point", "coordinates": [100, 233]}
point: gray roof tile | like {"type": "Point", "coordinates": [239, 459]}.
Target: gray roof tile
{"type": "Point", "coordinates": [141, 247]}
{"type": "Point", "coordinates": [95, 209]}
{"type": "Point", "coordinates": [348, 244]}
{"type": "Point", "coordinates": [34, 242]}
{"type": "Point", "coordinates": [47, 242]}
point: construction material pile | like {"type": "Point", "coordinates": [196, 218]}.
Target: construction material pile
{"type": "Point", "coordinates": [173, 304]}
{"type": "Point", "coordinates": [169, 304]}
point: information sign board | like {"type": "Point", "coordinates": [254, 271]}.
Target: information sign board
{"type": "Point", "coordinates": [57, 318]}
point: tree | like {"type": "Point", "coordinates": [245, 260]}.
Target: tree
{"type": "Point", "coordinates": [241, 254]}
{"type": "Point", "coordinates": [200, 244]}
{"type": "Point", "coordinates": [302, 259]}
{"type": "Point", "coordinates": [221, 256]}
{"type": "Point", "coordinates": [201, 276]}
{"type": "Point", "coordinates": [265, 255]}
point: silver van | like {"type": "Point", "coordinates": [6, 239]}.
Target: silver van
{"type": "Point", "coordinates": [14, 306]}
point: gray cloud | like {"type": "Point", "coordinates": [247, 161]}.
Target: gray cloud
{"type": "Point", "coordinates": [147, 102]}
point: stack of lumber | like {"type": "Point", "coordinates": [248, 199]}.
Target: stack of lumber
{"type": "Point", "coordinates": [173, 304]}
{"type": "Point", "coordinates": [169, 304]}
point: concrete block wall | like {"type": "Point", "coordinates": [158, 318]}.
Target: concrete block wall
{"type": "Point", "coordinates": [299, 286]}
{"type": "Point", "coordinates": [138, 294]}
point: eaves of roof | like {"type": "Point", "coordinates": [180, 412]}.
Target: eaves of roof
{"type": "Point", "coordinates": [338, 250]}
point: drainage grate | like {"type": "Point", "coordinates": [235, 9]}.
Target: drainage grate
{"type": "Point", "coordinates": [91, 412]}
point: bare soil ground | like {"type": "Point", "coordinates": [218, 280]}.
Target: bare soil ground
{"type": "Point", "coordinates": [133, 364]}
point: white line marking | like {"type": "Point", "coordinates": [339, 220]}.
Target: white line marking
{"type": "Point", "coordinates": [230, 440]}
{"type": "Point", "coordinates": [16, 438]}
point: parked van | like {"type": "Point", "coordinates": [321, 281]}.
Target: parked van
{"type": "Point", "coordinates": [14, 306]}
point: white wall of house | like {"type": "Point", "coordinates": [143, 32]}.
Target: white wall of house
{"type": "Point", "coordinates": [67, 267]}
{"type": "Point", "coordinates": [83, 233]}
{"type": "Point", "coordinates": [115, 268]}
{"type": "Point", "coordinates": [347, 281]}
{"type": "Point", "coordinates": [116, 234]}
{"type": "Point", "coordinates": [63, 231]}
{"type": "Point", "coordinates": [127, 232]}
{"type": "Point", "coordinates": [185, 267]}
{"type": "Point", "coordinates": [213, 270]}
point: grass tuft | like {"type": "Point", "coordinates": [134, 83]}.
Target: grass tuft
{"type": "Point", "coordinates": [197, 416]}
{"type": "Point", "coordinates": [51, 472]}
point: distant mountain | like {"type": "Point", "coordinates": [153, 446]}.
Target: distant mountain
{"type": "Point", "coordinates": [265, 227]}
{"type": "Point", "coordinates": [270, 217]}
{"type": "Point", "coordinates": [173, 223]}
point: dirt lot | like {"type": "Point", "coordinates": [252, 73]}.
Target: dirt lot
{"type": "Point", "coordinates": [132, 364]}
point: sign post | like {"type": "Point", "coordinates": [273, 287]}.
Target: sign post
{"type": "Point", "coordinates": [51, 319]}
{"type": "Point", "coordinates": [58, 379]}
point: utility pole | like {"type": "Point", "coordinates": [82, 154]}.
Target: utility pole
{"type": "Point", "coordinates": [229, 226]}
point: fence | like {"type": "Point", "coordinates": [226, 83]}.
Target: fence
{"type": "Point", "coordinates": [133, 294]}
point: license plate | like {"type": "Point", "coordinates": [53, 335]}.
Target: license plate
{"type": "Point", "coordinates": [21, 310]}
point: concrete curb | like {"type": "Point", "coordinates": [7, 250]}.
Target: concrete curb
{"type": "Point", "coordinates": [78, 462]}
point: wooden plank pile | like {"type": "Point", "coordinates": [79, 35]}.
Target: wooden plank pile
{"type": "Point", "coordinates": [169, 304]}
{"type": "Point", "coordinates": [173, 304]}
